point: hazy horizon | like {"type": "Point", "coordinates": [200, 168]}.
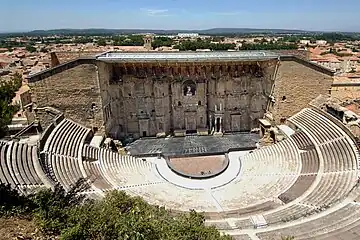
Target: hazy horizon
{"type": "Point", "coordinates": [321, 15]}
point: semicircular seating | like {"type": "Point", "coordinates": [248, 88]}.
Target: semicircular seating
{"type": "Point", "coordinates": [19, 165]}
{"type": "Point", "coordinates": [308, 179]}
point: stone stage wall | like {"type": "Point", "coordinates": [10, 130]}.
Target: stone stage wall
{"type": "Point", "coordinates": [150, 99]}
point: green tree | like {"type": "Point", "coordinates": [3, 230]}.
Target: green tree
{"type": "Point", "coordinates": [70, 216]}
{"type": "Point", "coordinates": [12, 204]}
{"type": "Point", "coordinates": [30, 48]}
{"type": "Point", "coordinates": [101, 42]}
{"type": "Point", "coordinates": [8, 90]}
{"type": "Point", "coordinates": [203, 44]}
{"type": "Point", "coordinates": [162, 42]}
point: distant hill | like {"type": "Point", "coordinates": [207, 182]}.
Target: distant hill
{"type": "Point", "coordinates": [212, 31]}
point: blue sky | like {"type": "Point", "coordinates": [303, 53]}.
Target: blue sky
{"type": "Point", "coordinates": [328, 15]}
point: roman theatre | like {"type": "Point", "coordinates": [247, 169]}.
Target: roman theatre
{"type": "Point", "coordinates": [253, 139]}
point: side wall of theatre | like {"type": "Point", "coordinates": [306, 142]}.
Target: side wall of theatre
{"type": "Point", "coordinates": [74, 91]}
{"type": "Point", "coordinates": [62, 57]}
{"type": "Point", "coordinates": [296, 84]}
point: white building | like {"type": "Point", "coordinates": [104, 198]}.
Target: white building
{"type": "Point", "coordinates": [321, 42]}
{"type": "Point", "coordinates": [188, 35]}
{"type": "Point", "coordinates": [304, 41]}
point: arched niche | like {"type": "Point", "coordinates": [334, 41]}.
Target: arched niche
{"type": "Point", "coordinates": [189, 88]}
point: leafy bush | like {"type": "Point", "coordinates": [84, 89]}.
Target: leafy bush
{"type": "Point", "coordinates": [14, 204]}
{"type": "Point", "coordinates": [116, 216]}
{"type": "Point", "coordinates": [7, 93]}
{"type": "Point", "coordinates": [119, 216]}
{"type": "Point", "coordinates": [53, 207]}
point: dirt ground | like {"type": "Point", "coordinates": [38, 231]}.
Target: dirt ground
{"type": "Point", "coordinates": [196, 165]}
{"type": "Point", "coordinates": [19, 229]}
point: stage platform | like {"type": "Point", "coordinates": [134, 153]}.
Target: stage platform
{"type": "Point", "coordinates": [193, 145]}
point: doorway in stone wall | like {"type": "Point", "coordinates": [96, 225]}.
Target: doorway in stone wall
{"type": "Point", "coordinates": [217, 124]}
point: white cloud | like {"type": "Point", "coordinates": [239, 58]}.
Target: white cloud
{"type": "Point", "coordinates": [156, 12]}
{"type": "Point", "coordinates": [226, 13]}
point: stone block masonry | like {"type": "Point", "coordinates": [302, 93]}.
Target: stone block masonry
{"type": "Point", "coordinates": [146, 98]}
{"type": "Point", "coordinates": [74, 91]}
{"type": "Point", "coordinates": [296, 84]}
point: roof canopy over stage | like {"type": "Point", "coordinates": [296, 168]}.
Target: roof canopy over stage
{"type": "Point", "coordinates": [186, 56]}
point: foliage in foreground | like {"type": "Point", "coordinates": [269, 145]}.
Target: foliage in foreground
{"type": "Point", "coordinates": [7, 93]}
{"type": "Point", "coordinates": [12, 204]}
{"type": "Point", "coordinates": [116, 216]}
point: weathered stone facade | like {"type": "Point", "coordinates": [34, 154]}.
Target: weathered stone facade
{"type": "Point", "coordinates": [150, 98]}
{"type": "Point", "coordinates": [296, 84]}
{"type": "Point", "coordinates": [74, 91]}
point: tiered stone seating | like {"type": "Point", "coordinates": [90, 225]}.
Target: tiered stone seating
{"type": "Point", "coordinates": [331, 222]}
{"type": "Point", "coordinates": [244, 223]}
{"type": "Point", "coordinates": [332, 187]}
{"type": "Point", "coordinates": [302, 141]}
{"type": "Point", "coordinates": [337, 179]}
{"type": "Point", "coordinates": [242, 237]}
{"type": "Point", "coordinates": [265, 174]}
{"type": "Point", "coordinates": [90, 152]}
{"type": "Point", "coordinates": [349, 232]}
{"type": "Point", "coordinates": [318, 126]}
{"type": "Point", "coordinates": [123, 171]}
{"type": "Point", "coordinates": [5, 176]}
{"type": "Point", "coordinates": [93, 172]}
{"type": "Point", "coordinates": [173, 197]}
{"type": "Point", "coordinates": [315, 178]}
{"type": "Point", "coordinates": [290, 213]}
{"type": "Point", "coordinates": [66, 170]}
{"type": "Point", "coordinates": [310, 162]}
{"type": "Point", "coordinates": [339, 156]}
{"type": "Point", "coordinates": [309, 170]}
{"type": "Point", "coordinates": [301, 184]}
{"type": "Point", "coordinates": [17, 164]}
{"type": "Point", "coordinates": [66, 138]}
{"type": "Point", "coordinates": [220, 225]}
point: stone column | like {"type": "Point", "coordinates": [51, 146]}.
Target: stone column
{"type": "Point", "coordinates": [210, 122]}
{"type": "Point", "coordinates": [220, 129]}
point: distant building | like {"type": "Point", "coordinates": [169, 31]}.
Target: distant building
{"type": "Point", "coordinates": [339, 65]}
{"type": "Point", "coordinates": [304, 41]}
{"type": "Point", "coordinates": [321, 42]}
{"type": "Point", "coordinates": [147, 42]}
{"type": "Point", "coordinates": [331, 63]}
{"type": "Point", "coordinates": [188, 35]}
{"type": "Point", "coordinates": [349, 64]}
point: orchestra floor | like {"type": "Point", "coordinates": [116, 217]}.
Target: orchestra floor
{"type": "Point", "coordinates": [193, 145]}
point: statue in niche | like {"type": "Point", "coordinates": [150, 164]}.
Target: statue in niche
{"type": "Point", "coordinates": [189, 93]}
{"type": "Point", "coordinates": [189, 88]}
